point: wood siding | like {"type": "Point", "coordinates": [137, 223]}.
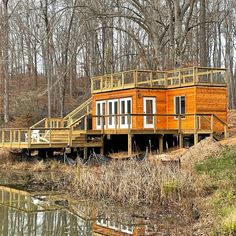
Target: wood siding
{"type": "Point", "coordinates": [212, 100]}
{"type": "Point", "coordinates": [198, 100]}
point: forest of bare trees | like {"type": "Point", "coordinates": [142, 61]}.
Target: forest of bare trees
{"type": "Point", "coordinates": [61, 41]}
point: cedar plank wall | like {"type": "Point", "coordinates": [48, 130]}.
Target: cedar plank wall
{"type": "Point", "coordinates": [212, 100]}
{"type": "Point", "coordinates": [201, 99]}
{"type": "Point", "coordinates": [190, 98]}
{"type": "Point", "coordinates": [160, 96]}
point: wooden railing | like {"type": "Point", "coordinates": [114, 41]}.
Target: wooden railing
{"type": "Point", "coordinates": [22, 138]}
{"type": "Point", "coordinates": [81, 110]}
{"type": "Point", "coordinates": [51, 123]}
{"type": "Point", "coordinates": [146, 78]}
{"type": "Point", "coordinates": [192, 122]}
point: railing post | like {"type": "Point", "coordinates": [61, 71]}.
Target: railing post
{"type": "Point", "coordinates": [29, 138]}
{"type": "Point", "coordinates": [135, 79]}
{"type": "Point", "coordinates": [122, 79]}
{"type": "Point", "coordinates": [111, 82]}
{"type": "Point", "coordinates": [11, 137]}
{"type": "Point", "coordinates": [180, 78]}
{"type": "Point", "coordinates": [50, 137]}
{"type": "Point", "coordinates": [212, 124]}
{"type": "Point", "coordinates": [154, 121]}
{"type": "Point", "coordinates": [19, 137]}
{"type": "Point", "coordinates": [70, 136]}
{"type": "Point", "coordinates": [129, 122]}
{"type": "Point", "coordinates": [103, 122]}
{"type": "Point", "coordinates": [179, 123]}
{"type": "Point", "coordinates": [151, 78]}
{"type": "Point", "coordinates": [3, 137]}
{"type": "Point", "coordinates": [85, 123]}
{"type": "Point", "coordinates": [211, 78]}
{"type": "Point", "coordinates": [115, 122]}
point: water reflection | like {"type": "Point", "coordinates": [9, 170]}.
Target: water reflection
{"type": "Point", "coordinates": [24, 213]}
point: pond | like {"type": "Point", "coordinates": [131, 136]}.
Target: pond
{"type": "Point", "coordinates": [26, 208]}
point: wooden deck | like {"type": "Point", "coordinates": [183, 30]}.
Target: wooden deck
{"type": "Point", "coordinates": [182, 77]}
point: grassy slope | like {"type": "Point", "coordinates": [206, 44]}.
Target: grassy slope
{"type": "Point", "coordinates": [221, 172]}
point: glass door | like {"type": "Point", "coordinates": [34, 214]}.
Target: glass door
{"type": "Point", "coordinates": [112, 112]}
{"type": "Point", "coordinates": [149, 106]}
{"type": "Point", "coordinates": [125, 109]}
{"type": "Point", "coordinates": [100, 111]}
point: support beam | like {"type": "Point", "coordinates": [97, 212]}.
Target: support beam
{"type": "Point", "coordinates": [130, 145]}
{"type": "Point", "coordinates": [85, 152]}
{"type": "Point", "coordinates": [161, 138]}
{"type": "Point", "coordinates": [181, 140]}
{"type": "Point", "coordinates": [102, 147]}
{"type": "Point", "coordinates": [195, 138]}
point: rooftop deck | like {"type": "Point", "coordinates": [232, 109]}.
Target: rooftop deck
{"type": "Point", "coordinates": [159, 79]}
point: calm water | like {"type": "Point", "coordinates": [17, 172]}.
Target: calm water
{"type": "Point", "coordinates": [27, 212]}
{"type": "Point", "coordinates": [24, 210]}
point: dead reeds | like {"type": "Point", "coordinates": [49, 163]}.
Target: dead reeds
{"type": "Point", "coordinates": [133, 182]}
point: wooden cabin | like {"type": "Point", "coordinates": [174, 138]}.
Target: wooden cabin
{"type": "Point", "coordinates": [133, 107]}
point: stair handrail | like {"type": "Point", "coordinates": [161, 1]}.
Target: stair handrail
{"type": "Point", "coordinates": [78, 109]}
{"type": "Point", "coordinates": [77, 121]}
{"type": "Point", "coordinates": [39, 122]}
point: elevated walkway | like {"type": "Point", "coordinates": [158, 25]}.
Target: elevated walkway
{"type": "Point", "coordinates": [72, 130]}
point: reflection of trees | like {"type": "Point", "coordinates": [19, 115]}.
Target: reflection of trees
{"type": "Point", "coordinates": [20, 216]}
{"type": "Point", "coordinates": [49, 223]}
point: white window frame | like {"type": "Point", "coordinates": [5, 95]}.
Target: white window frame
{"type": "Point", "coordinates": [176, 117]}
{"type": "Point", "coordinates": [112, 126]}
{"type": "Point", "coordinates": [145, 110]}
{"type": "Point", "coordinates": [126, 117]}
{"type": "Point", "coordinates": [102, 222]}
{"type": "Point", "coordinates": [125, 229]}
{"type": "Point", "coordinates": [101, 102]}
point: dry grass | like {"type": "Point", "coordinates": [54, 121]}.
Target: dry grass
{"type": "Point", "coordinates": [133, 182]}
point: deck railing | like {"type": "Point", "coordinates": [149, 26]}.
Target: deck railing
{"type": "Point", "coordinates": [61, 137]}
{"type": "Point", "coordinates": [209, 123]}
{"type": "Point", "coordinates": [169, 79]}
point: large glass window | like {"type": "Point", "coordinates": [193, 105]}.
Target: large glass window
{"type": "Point", "coordinates": [180, 106]}
{"type": "Point", "coordinates": [100, 112]}
{"type": "Point", "coordinates": [125, 109]}
{"type": "Point", "coordinates": [112, 112]}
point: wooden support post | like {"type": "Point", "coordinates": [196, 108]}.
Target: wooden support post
{"type": "Point", "coordinates": [212, 125]}
{"type": "Point", "coordinates": [225, 131]}
{"type": "Point", "coordinates": [181, 140]}
{"type": "Point", "coordinates": [85, 152]}
{"type": "Point", "coordinates": [195, 138]}
{"type": "Point", "coordinates": [102, 147]}
{"type": "Point", "coordinates": [161, 143]}
{"type": "Point", "coordinates": [129, 145]}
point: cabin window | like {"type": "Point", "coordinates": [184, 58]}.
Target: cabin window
{"type": "Point", "coordinates": [102, 222]}
{"type": "Point", "coordinates": [100, 111]}
{"type": "Point", "coordinates": [180, 106]}
{"type": "Point", "coordinates": [125, 109]}
{"type": "Point", "coordinates": [112, 112]}
{"type": "Point", "coordinates": [127, 229]}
